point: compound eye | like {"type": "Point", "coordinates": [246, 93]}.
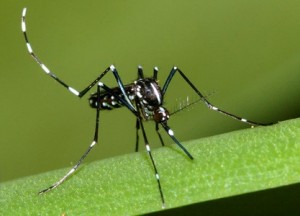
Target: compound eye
{"type": "Point", "coordinates": [160, 115]}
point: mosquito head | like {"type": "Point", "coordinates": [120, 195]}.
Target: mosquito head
{"type": "Point", "coordinates": [160, 114]}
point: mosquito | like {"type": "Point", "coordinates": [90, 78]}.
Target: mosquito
{"type": "Point", "coordinates": [144, 98]}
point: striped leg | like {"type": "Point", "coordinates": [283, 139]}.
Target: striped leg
{"type": "Point", "coordinates": [153, 163]}
{"type": "Point", "coordinates": [71, 89]}
{"type": "Point", "coordinates": [95, 140]}
{"type": "Point", "coordinates": [207, 103]}
{"type": "Point", "coordinates": [71, 171]}
{"type": "Point", "coordinates": [171, 134]}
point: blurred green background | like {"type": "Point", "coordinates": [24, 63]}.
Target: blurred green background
{"type": "Point", "coordinates": [246, 52]}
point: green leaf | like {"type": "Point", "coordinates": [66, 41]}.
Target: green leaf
{"type": "Point", "coordinates": [224, 165]}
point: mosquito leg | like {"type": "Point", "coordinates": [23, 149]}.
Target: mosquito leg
{"type": "Point", "coordinates": [140, 72]}
{"type": "Point", "coordinates": [155, 71]}
{"type": "Point", "coordinates": [95, 140]}
{"type": "Point", "coordinates": [153, 164]}
{"type": "Point", "coordinates": [137, 126]}
{"type": "Point", "coordinates": [171, 134]}
{"type": "Point", "coordinates": [71, 89]}
{"type": "Point", "coordinates": [207, 103]}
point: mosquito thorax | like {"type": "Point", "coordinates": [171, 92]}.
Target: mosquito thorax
{"type": "Point", "coordinates": [148, 93]}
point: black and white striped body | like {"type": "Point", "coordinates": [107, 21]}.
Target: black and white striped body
{"type": "Point", "coordinates": [106, 100]}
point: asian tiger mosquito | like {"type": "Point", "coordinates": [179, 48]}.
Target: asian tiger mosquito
{"type": "Point", "coordinates": [144, 98]}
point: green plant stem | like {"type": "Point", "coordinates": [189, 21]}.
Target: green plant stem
{"type": "Point", "coordinates": [224, 165]}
